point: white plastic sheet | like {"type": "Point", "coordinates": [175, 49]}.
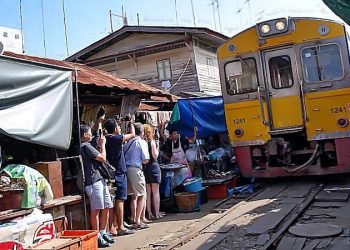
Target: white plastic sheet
{"type": "Point", "coordinates": [36, 103]}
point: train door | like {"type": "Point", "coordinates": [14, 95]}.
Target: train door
{"type": "Point", "coordinates": [282, 90]}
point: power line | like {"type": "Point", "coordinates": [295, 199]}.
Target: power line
{"type": "Point", "coordinates": [219, 17]}
{"type": "Point", "coordinates": [43, 22]}
{"type": "Point", "coordinates": [239, 13]}
{"type": "Point", "coordinates": [249, 10]}
{"type": "Point", "coordinates": [212, 4]}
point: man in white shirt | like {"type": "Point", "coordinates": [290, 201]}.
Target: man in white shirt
{"type": "Point", "coordinates": [136, 154]}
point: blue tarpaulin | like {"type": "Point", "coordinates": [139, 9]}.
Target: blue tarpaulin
{"type": "Point", "coordinates": [206, 113]}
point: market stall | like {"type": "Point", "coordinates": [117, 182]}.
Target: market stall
{"type": "Point", "coordinates": [36, 103]}
{"type": "Point", "coordinates": [40, 110]}
{"type": "Point", "coordinates": [200, 129]}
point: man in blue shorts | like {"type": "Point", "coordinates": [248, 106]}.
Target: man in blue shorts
{"type": "Point", "coordinates": [95, 186]}
{"type": "Point", "coordinates": [115, 156]}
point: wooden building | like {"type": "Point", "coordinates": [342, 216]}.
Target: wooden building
{"type": "Point", "coordinates": [176, 59]}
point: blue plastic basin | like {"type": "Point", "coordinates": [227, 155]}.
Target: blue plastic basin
{"type": "Point", "coordinates": [193, 185]}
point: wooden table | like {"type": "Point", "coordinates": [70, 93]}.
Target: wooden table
{"type": "Point", "coordinates": [56, 207]}
{"type": "Point", "coordinates": [217, 181]}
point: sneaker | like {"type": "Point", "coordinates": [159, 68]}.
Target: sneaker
{"type": "Point", "coordinates": [102, 243]}
{"type": "Point", "coordinates": [108, 238]}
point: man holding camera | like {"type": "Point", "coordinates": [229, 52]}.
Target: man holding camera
{"type": "Point", "coordinates": [95, 186]}
{"type": "Point", "coordinates": [115, 156]}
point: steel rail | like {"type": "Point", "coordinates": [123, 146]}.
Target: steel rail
{"type": "Point", "coordinates": [194, 234]}
{"type": "Point", "coordinates": [300, 209]}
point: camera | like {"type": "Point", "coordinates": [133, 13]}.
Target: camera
{"type": "Point", "coordinates": [102, 132]}
{"type": "Point", "coordinates": [156, 134]}
{"type": "Point", "coordinates": [127, 118]}
{"type": "Point", "coordinates": [101, 112]}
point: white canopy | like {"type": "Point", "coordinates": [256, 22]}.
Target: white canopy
{"type": "Point", "coordinates": [36, 102]}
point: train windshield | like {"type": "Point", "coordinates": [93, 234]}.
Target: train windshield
{"type": "Point", "coordinates": [241, 76]}
{"type": "Point", "coordinates": [322, 63]}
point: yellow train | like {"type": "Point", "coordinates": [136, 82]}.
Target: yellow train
{"type": "Point", "coordinates": [286, 90]}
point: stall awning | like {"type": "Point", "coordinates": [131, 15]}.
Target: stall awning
{"type": "Point", "coordinates": [207, 114]}
{"type": "Point", "coordinates": [36, 102]}
{"type": "Point", "coordinates": [341, 8]}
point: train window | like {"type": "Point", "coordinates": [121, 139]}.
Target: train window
{"type": "Point", "coordinates": [241, 76]}
{"type": "Point", "coordinates": [322, 63]}
{"type": "Point", "coordinates": [281, 74]}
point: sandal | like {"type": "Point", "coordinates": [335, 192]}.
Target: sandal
{"type": "Point", "coordinates": [140, 226]}
{"type": "Point", "coordinates": [146, 221]}
{"type": "Point", "coordinates": [125, 232]}
{"type": "Point", "coordinates": [151, 217]}
{"type": "Point", "coordinates": [113, 234]}
{"type": "Point", "coordinates": [158, 217]}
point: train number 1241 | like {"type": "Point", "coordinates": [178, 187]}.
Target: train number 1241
{"type": "Point", "coordinates": [239, 121]}
{"type": "Point", "coordinates": [336, 110]}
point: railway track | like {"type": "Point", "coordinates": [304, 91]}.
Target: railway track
{"type": "Point", "coordinates": [305, 213]}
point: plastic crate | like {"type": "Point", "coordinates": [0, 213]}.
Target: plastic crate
{"type": "Point", "coordinates": [233, 182]}
{"type": "Point", "coordinates": [10, 199]}
{"type": "Point", "coordinates": [57, 244]}
{"type": "Point", "coordinates": [88, 238]}
{"type": "Point", "coordinates": [217, 191]}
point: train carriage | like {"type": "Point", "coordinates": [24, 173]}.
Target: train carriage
{"type": "Point", "coordinates": [286, 90]}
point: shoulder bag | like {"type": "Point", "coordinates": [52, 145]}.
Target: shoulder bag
{"type": "Point", "coordinates": [106, 170]}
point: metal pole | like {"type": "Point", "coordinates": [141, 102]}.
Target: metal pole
{"type": "Point", "coordinates": [79, 135]}
{"type": "Point", "coordinates": [125, 20]}
{"type": "Point", "coordinates": [21, 17]}
{"type": "Point", "coordinates": [110, 20]}
{"type": "Point", "coordinates": [65, 26]}
{"type": "Point", "coordinates": [138, 19]}
{"type": "Point", "coordinates": [177, 20]}
{"type": "Point", "coordinates": [43, 24]}
{"type": "Point", "coordinates": [219, 17]}
{"type": "Point", "coordinates": [194, 17]}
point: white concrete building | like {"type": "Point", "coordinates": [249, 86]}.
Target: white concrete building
{"type": "Point", "coordinates": [11, 39]}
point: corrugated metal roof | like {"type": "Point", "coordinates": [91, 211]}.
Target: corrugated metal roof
{"type": "Point", "coordinates": [196, 94]}
{"type": "Point", "coordinates": [128, 30]}
{"type": "Point", "coordinates": [147, 107]}
{"type": "Point", "coordinates": [89, 75]}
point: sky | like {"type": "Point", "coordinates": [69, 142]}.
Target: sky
{"type": "Point", "coordinates": [88, 20]}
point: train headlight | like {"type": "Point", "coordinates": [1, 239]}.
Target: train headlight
{"type": "Point", "coordinates": [265, 28]}
{"type": "Point", "coordinates": [238, 132]}
{"type": "Point", "coordinates": [273, 27]}
{"type": "Point", "coordinates": [280, 25]}
{"type": "Point", "coordinates": [342, 122]}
